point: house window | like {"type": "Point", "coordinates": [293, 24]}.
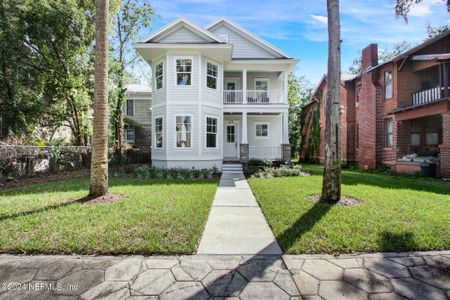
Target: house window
{"type": "Point", "coordinates": [261, 84]}
{"type": "Point", "coordinates": [184, 71]}
{"type": "Point", "coordinates": [129, 136]}
{"type": "Point", "coordinates": [388, 85]}
{"type": "Point", "coordinates": [130, 107]}
{"type": "Point", "coordinates": [231, 134]}
{"type": "Point", "coordinates": [358, 92]}
{"type": "Point", "coordinates": [389, 133]}
{"type": "Point", "coordinates": [183, 131]}
{"type": "Point", "coordinates": [159, 133]}
{"type": "Point", "coordinates": [211, 132]}
{"type": "Point", "coordinates": [261, 130]}
{"type": "Point", "coordinates": [159, 75]}
{"type": "Point", "coordinates": [211, 75]}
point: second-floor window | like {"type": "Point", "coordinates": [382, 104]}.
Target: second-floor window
{"type": "Point", "coordinates": [184, 71]}
{"type": "Point", "coordinates": [389, 133]}
{"type": "Point", "coordinates": [159, 133]}
{"type": "Point", "coordinates": [183, 133]}
{"type": "Point", "coordinates": [211, 75]}
{"type": "Point", "coordinates": [159, 75]}
{"type": "Point", "coordinates": [388, 85]}
{"type": "Point", "coordinates": [129, 107]}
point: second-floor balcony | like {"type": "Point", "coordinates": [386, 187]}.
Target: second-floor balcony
{"type": "Point", "coordinates": [429, 95]}
{"type": "Point", "coordinates": [252, 97]}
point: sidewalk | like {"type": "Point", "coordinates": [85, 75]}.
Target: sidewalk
{"type": "Point", "coordinates": [368, 276]}
{"type": "Point", "coordinates": [236, 224]}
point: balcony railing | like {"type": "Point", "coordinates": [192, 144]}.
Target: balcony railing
{"type": "Point", "coordinates": [426, 96]}
{"type": "Point", "coordinates": [253, 97]}
{"type": "Point", "coordinates": [264, 152]}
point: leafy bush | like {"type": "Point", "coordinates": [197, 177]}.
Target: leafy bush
{"type": "Point", "coordinates": [279, 172]}
{"type": "Point", "coordinates": [259, 163]}
{"type": "Point", "coordinates": [147, 172]}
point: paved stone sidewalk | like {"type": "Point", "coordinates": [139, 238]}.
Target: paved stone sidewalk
{"type": "Point", "coordinates": [236, 224]}
{"type": "Point", "coordinates": [310, 277]}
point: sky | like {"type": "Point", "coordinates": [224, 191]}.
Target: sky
{"type": "Point", "coordinates": [299, 27]}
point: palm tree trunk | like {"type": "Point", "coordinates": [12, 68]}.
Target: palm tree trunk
{"type": "Point", "coordinates": [99, 164]}
{"type": "Point", "coordinates": [331, 188]}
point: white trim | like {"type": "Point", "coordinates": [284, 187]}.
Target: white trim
{"type": "Point", "coordinates": [268, 130]}
{"type": "Point", "coordinates": [249, 35]}
{"type": "Point", "coordinates": [161, 61]}
{"type": "Point", "coordinates": [206, 74]}
{"type": "Point", "coordinates": [206, 131]}
{"type": "Point", "coordinates": [261, 79]}
{"type": "Point", "coordinates": [181, 21]}
{"type": "Point", "coordinates": [179, 57]}
{"type": "Point", "coordinates": [162, 132]}
{"type": "Point", "coordinates": [191, 132]}
{"type": "Point", "coordinates": [126, 108]}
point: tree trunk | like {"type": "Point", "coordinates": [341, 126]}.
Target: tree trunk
{"type": "Point", "coordinates": [331, 188]}
{"type": "Point", "coordinates": [99, 164]}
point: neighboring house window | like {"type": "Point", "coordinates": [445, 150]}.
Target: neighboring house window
{"type": "Point", "coordinates": [358, 91]}
{"type": "Point", "coordinates": [389, 133]}
{"type": "Point", "coordinates": [211, 75]}
{"type": "Point", "coordinates": [184, 71]}
{"type": "Point", "coordinates": [129, 135]}
{"type": "Point", "coordinates": [183, 131]}
{"type": "Point", "coordinates": [211, 132]}
{"type": "Point", "coordinates": [388, 85]}
{"type": "Point", "coordinates": [130, 107]}
{"type": "Point", "coordinates": [159, 133]}
{"type": "Point", "coordinates": [261, 130]}
{"type": "Point", "coordinates": [159, 75]}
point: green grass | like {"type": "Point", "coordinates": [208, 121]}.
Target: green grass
{"type": "Point", "coordinates": [158, 216]}
{"type": "Point", "coordinates": [398, 213]}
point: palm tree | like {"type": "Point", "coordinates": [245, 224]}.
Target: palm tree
{"type": "Point", "coordinates": [331, 188]}
{"type": "Point", "coordinates": [99, 163]}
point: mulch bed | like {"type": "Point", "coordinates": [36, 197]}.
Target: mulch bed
{"type": "Point", "coordinates": [344, 201]}
{"type": "Point", "coordinates": [43, 178]}
{"type": "Point", "coordinates": [108, 198]}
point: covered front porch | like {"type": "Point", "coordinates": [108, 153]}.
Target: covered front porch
{"type": "Point", "coordinates": [251, 135]}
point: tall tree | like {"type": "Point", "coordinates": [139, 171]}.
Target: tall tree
{"type": "Point", "coordinates": [403, 7]}
{"type": "Point", "coordinates": [331, 187]}
{"type": "Point", "coordinates": [435, 31]}
{"type": "Point", "coordinates": [131, 18]}
{"type": "Point", "coordinates": [99, 162]}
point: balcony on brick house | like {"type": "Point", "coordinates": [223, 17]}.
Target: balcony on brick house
{"type": "Point", "coordinates": [431, 85]}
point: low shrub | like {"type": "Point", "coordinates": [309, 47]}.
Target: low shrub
{"type": "Point", "coordinates": [279, 172]}
{"type": "Point", "coordinates": [148, 172]}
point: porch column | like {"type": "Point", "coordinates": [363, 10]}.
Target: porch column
{"type": "Point", "coordinates": [244, 86]}
{"type": "Point", "coordinates": [445, 147]}
{"type": "Point", "coordinates": [244, 128]}
{"type": "Point", "coordinates": [285, 86]}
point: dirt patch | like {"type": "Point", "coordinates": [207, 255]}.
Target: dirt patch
{"type": "Point", "coordinates": [344, 201]}
{"type": "Point", "coordinates": [43, 178]}
{"type": "Point", "coordinates": [106, 199]}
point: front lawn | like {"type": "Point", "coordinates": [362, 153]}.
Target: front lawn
{"type": "Point", "coordinates": [158, 216]}
{"type": "Point", "coordinates": [398, 213]}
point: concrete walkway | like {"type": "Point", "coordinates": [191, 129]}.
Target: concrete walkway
{"type": "Point", "coordinates": [236, 224]}
{"type": "Point", "coordinates": [380, 276]}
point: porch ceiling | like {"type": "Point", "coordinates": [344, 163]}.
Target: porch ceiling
{"type": "Point", "coordinates": [428, 109]}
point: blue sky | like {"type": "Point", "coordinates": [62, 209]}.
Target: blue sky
{"type": "Point", "coordinates": [299, 26]}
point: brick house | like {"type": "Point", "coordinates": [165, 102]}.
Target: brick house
{"type": "Point", "coordinates": [395, 113]}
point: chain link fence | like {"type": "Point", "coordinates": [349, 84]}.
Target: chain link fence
{"type": "Point", "coordinates": [18, 161]}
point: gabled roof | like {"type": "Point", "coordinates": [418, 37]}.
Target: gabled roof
{"type": "Point", "coordinates": [413, 50]}
{"type": "Point", "coordinates": [254, 38]}
{"type": "Point", "coordinates": [178, 23]}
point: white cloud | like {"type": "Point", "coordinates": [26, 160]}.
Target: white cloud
{"type": "Point", "coordinates": [321, 19]}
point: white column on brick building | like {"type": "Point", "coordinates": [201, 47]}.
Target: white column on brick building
{"type": "Point", "coordinates": [285, 128]}
{"type": "Point", "coordinates": [244, 86]}
{"type": "Point", "coordinates": [244, 128]}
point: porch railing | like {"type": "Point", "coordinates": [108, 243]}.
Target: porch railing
{"type": "Point", "coordinates": [253, 97]}
{"type": "Point", "coordinates": [265, 152]}
{"type": "Point", "coordinates": [426, 96]}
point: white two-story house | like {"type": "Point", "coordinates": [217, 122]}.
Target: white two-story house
{"type": "Point", "coordinates": [219, 94]}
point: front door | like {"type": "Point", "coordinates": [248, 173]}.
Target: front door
{"type": "Point", "coordinates": [231, 142]}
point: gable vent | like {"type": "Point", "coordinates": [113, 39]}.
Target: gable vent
{"type": "Point", "coordinates": [223, 38]}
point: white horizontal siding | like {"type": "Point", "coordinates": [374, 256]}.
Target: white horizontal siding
{"type": "Point", "coordinates": [182, 35]}
{"type": "Point", "coordinates": [242, 47]}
